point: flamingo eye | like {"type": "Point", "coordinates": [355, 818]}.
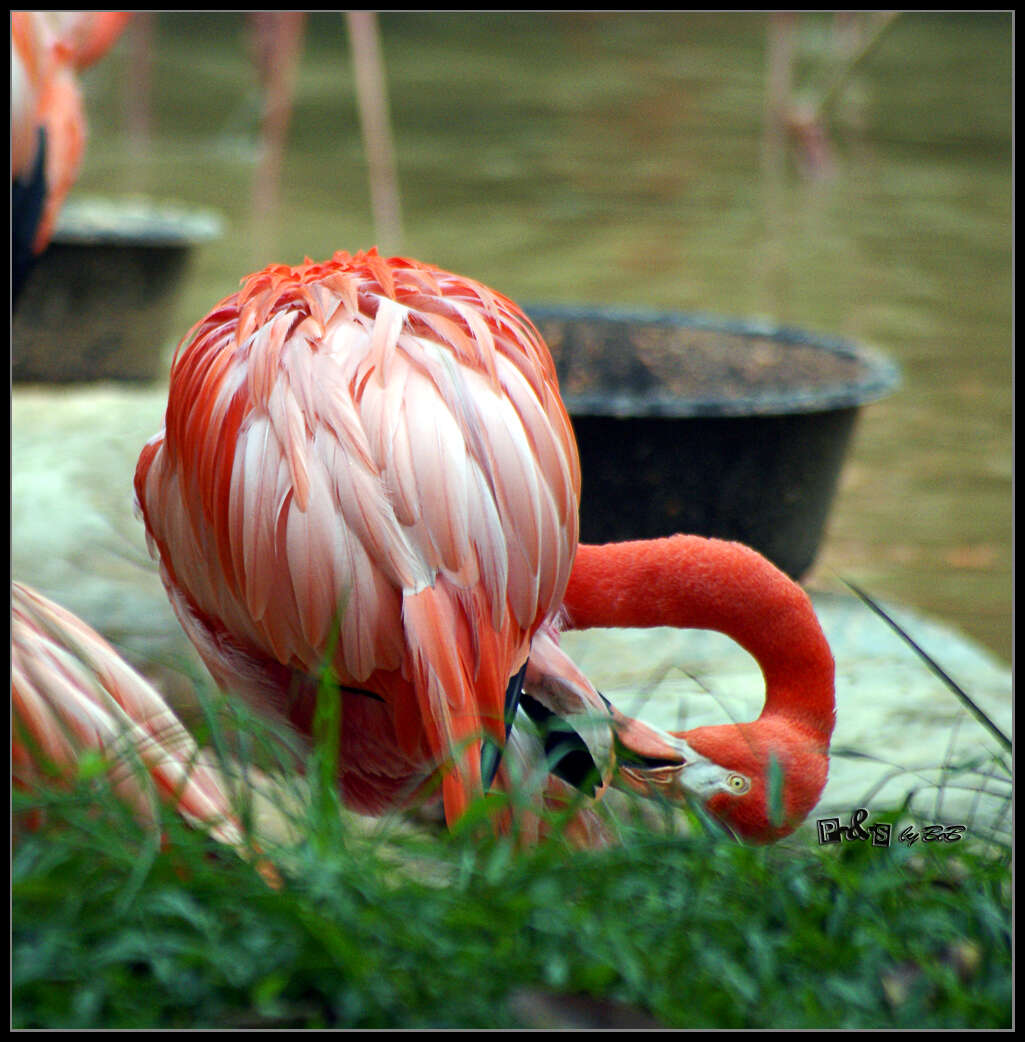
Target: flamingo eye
{"type": "Point", "coordinates": [738, 784]}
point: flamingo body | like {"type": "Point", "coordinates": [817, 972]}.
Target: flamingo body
{"type": "Point", "coordinates": [48, 127]}
{"type": "Point", "coordinates": [367, 476]}
{"type": "Point", "coordinates": [72, 693]}
{"type": "Point", "coordinates": [366, 465]}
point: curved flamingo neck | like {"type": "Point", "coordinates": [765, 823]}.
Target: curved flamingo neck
{"type": "Point", "coordinates": [694, 583]}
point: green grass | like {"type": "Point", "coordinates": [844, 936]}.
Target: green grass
{"type": "Point", "coordinates": [403, 927]}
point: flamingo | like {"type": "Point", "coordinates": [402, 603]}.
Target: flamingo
{"type": "Point", "coordinates": [367, 477]}
{"type": "Point", "coordinates": [48, 127]}
{"type": "Point", "coordinates": [353, 446]}
{"type": "Point", "coordinates": [72, 694]}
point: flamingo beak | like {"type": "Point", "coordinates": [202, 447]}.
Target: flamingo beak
{"type": "Point", "coordinates": [652, 761]}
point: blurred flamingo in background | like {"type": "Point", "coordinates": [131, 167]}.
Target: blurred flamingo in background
{"type": "Point", "coordinates": [277, 42]}
{"type": "Point", "coordinates": [48, 126]}
{"type": "Point", "coordinates": [367, 475]}
{"type": "Point", "coordinates": [802, 121]}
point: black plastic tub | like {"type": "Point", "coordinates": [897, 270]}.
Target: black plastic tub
{"type": "Point", "coordinates": [711, 426]}
{"type": "Point", "coordinates": [98, 304]}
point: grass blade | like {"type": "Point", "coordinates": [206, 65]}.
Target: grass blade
{"type": "Point", "coordinates": [966, 700]}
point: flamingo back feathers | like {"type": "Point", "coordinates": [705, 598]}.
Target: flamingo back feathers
{"type": "Point", "coordinates": [375, 447]}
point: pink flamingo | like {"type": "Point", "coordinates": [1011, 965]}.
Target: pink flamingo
{"type": "Point", "coordinates": [72, 694]}
{"type": "Point", "coordinates": [48, 127]}
{"type": "Point", "coordinates": [366, 473]}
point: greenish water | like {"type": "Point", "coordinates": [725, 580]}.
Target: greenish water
{"type": "Point", "coordinates": [621, 160]}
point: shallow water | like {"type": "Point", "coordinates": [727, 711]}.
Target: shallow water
{"type": "Point", "coordinates": [622, 160]}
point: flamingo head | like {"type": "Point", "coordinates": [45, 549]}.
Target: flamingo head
{"type": "Point", "coordinates": [761, 780]}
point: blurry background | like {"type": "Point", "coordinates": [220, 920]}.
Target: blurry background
{"type": "Point", "coordinates": [629, 160]}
